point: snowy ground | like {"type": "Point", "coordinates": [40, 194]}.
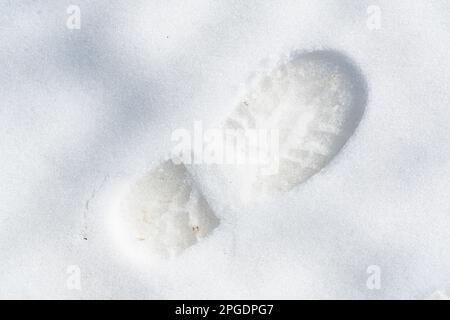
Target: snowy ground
{"type": "Point", "coordinates": [85, 112]}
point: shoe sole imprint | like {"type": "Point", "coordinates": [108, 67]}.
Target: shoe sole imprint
{"type": "Point", "coordinates": [315, 101]}
{"type": "Point", "coordinates": [165, 213]}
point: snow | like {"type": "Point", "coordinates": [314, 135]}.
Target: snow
{"type": "Point", "coordinates": [314, 101]}
{"type": "Point", "coordinates": [86, 113]}
{"type": "Point", "coordinates": [163, 214]}
{"type": "Point", "coordinates": [440, 295]}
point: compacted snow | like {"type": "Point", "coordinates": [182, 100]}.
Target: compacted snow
{"type": "Point", "coordinates": [164, 213]}
{"type": "Point", "coordinates": [91, 207]}
{"type": "Point", "coordinates": [314, 100]}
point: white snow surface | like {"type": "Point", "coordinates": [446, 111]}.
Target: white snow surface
{"type": "Point", "coordinates": [85, 113]}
